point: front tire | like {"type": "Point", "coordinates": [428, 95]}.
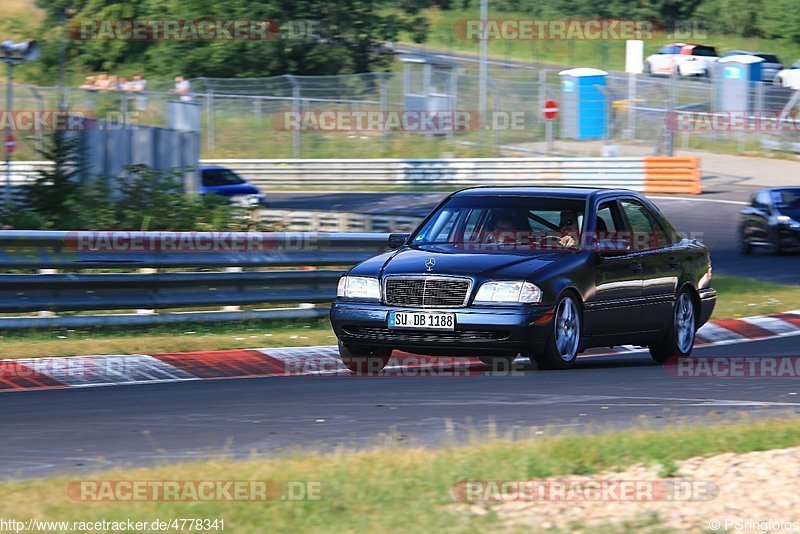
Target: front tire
{"type": "Point", "coordinates": [679, 339]}
{"type": "Point", "coordinates": [775, 243]}
{"type": "Point", "coordinates": [561, 348]}
{"type": "Point", "coordinates": [363, 360]}
{"type": "Point", "coordinates": [744, 245]}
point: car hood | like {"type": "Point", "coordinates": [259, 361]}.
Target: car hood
{"type": "Point", "coordinates": [790, 212]}
{"type": "Point", "coordinates": [480, 265]}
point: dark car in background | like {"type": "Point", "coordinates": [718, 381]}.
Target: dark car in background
{"type": "Point", "coordinates": [770, 67]}
{"type": "Point", "coordinates": [223, 181]}
{"type": "Point", "coordinates": [543, 272]}
{"type": "Point", "coordinates": [771, 221]}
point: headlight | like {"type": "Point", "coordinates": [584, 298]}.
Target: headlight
{"type": "Point", "coordinates": [521, 292]}
{"type": "Point", "coordinates": [788, 221]}
{"type": "Point", "coordinates": [359, 287]}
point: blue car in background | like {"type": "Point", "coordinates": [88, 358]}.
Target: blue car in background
{"type": "Point", "coordinates": [223, 181]}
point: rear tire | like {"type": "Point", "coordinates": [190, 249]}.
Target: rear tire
{"type": "Point", "coordinates": [562, 345]}
{"type": "Point", "coordinates": [363, 360]}
{"type": "Point", "coordinates": [679, 339]}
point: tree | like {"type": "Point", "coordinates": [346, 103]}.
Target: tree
{"type": "Point", "coordinates": [53, 192]}
{"type": "Point", "coordinates": [346, 36]}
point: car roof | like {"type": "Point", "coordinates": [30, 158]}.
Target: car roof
{"type": "Point", "coordinates": [786, 188]}
{"type": "Point", "coordinates": [578, 193]}
{"type": "Point", "coordinates": [214, 168]}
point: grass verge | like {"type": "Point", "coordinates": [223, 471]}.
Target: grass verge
{"type": "Point", "coordinates": [392, 487]}
{"type": "Point", "coordinates": [744, 297]}
{"type": "Point", "coordinates": [738, 297]}
{"type": "Point", "coordinates": [167, 338]}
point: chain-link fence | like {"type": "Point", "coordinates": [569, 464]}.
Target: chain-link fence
{"type": "Point", "coordinates": [285, 116]}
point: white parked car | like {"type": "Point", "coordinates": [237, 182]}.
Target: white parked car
{"type": "Point", "coordinates": [682, 59]}
{"type": "Point", "coordinates": [789, 77]}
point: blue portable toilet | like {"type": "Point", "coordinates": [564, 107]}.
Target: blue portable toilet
{"type": "Point", "coordinates": [737, 78]}
{"type": "Point", "coordinates": [584, 104]}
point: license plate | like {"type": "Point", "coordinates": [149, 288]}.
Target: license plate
{"type": "Point", "coordinates": [425, 320]}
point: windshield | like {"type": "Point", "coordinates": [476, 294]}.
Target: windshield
{"type": "Point", "coordinates": [217, 177]}
{"type": "Point", "coordinates": [786, 199]}
{"type": "Point", "coordinates": [487, 223]}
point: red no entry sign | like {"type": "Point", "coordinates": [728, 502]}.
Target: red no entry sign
{"type": "Point", "coordinates": [10, 144]}
{"type": "Point", "coordinates": [550, 110]}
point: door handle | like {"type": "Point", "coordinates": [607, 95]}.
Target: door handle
{"type": "Point", "coordinates": [636, 266]}
{"type": "Point", "coordinates": [673, 262]}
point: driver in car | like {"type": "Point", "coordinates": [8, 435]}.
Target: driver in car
{"type": "Point", "coordinates": [568, 226]}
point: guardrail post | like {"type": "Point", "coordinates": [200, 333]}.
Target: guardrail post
{"type": "Point", "coordinates": [46, 313]}
{"type": "Point", "coordinates": [146, 270]}
{"type": "Point", "coordinates": [232, 308]}
{"type": "Point", "coordinates": [344, 221]}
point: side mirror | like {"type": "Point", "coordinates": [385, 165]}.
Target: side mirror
{"type": "Point", "coordinates": [397, 240]}
{"type": "Point", "coordinates": [613, 247]}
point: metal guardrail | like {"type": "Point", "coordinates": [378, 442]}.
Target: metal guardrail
{"type": "Point", "coordinates": [625, 172]}
{"type": "Point", "coordinates": [336, 221]}
{"type": "Point", "coordinates": [631, 173]}
{"type": "Point", "coordinates": [148, 290]}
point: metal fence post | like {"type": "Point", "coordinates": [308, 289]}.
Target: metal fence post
{"type": "Point", "coordinates": [384, 89]}
{"type": "Point", "coordinates": [631, 106]}
{"type": "Point", "coordinates": [297, 108]}
{"type": "Point", "coordinates": [671, 105]}
{"type": "Point", "coordinates": [210, 133]}
{"type": "Point", "coordinates": [760, 108]}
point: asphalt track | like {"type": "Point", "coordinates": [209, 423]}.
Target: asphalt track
{"type": "Point", "coordinates": [712, 218]}
{"type": "Point", "coordinates": [84, 429]}
{"type": "Point", "coordinates": [81, 430]}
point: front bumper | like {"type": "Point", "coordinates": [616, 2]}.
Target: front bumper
{"type": "Point", "coordinates": [708, 299]}
{"type": "Point", "coordinates": [493, 330]}
{"type": "Point", "coordinates": [789, 237]}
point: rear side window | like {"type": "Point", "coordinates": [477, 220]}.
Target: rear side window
{"type": "Point", "coordinates": [646, 232]}
{"type": "Point", "coordinates": [769, 58]}
{"type": "Point", "coordinates": [704, 51]}
{"type": "Point", "coordinates": [220, 177]}
{"type": "Point", "coordinates": [670, 49]}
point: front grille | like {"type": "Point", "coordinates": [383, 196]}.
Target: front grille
{"type": "Point", "coordinates": [419, 336]}
{"type": "Point", "coordinates": [426, 291]}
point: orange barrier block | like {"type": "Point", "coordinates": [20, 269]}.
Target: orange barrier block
{"type": "Point", "coordinates": [665, 174]}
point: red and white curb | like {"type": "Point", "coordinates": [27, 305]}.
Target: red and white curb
{"type": "Point", "coordinates": [88, 371]}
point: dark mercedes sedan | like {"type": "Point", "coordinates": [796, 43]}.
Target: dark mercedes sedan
{"type": "Point", "coordinates": [771, 221]}
{"type": "Point", "coordinates": [543, 272]}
